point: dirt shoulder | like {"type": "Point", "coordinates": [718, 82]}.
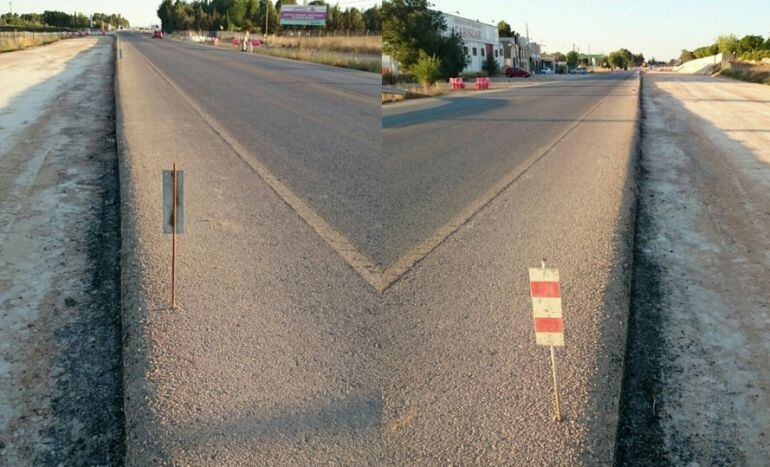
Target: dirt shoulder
{"type": "Point", "coordinates": [60, 384]}
{"type": "Point", "coordinates": [698, 373]}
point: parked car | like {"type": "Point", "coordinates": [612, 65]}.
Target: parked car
{"type": "Point", "coordinates": [546, 71]}
{"type": "Point", "coordinates": [513, 72]}
{"type": "Point", "coordinates": [578, 71]}
{"type": "Point", "coordinates": [157, 34]}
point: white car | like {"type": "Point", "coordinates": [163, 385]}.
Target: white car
{"type": "Point", "coordinates": [546, 71]}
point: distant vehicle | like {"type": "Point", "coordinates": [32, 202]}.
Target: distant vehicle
{"type": "Point", "coordinates": [578, 71]}
{"type": "Point", "coordinates": [546, 71]}
{"type": "Point", "coordinates": [157, 34]}
{"type": "Point", "coordinates": [513, 72]}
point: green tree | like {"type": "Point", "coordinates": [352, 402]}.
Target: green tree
{"type": "Point", "coordinates": [490, 65]}
{"type": "Point", "coordinates": [617, 59]}
{"type": "Point", "coordinates": [409, 27]}
{"type": "Point", "coordinates": [504, 29]}
{"type": "Point", "coordinates": [728, 43]}
{"type": "Point", "coordinates": [572, 59]}
{"type": "Point", "coordinates": [166, 15]}
{"type": "Point", "coordinates": [686, 56]}
{"type": "Point", "coordinates": [373, 18]}
{"type": "Point", "coordinates": [427, 69]}
{"type": "Point", "coordinates": [750, 43]}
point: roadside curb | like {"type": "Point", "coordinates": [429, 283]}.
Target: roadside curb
{"type": "Point", "coordinates": [632, 205]}
{"type": "Point", "coordinates": [135, 389]}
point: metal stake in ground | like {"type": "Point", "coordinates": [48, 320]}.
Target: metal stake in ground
{"type": "Point", "coordinates": [173, 238]}
{"type": "Point", "coordinates": [173, 216]}
{"type": "Point", "coordinates": [549, 327]}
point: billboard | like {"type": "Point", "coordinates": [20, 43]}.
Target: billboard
{"type": "Point", "coordinates": [303, 15]}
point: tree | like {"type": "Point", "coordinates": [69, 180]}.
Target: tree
{"type": "Point", "coordinates": [373, 18]}
{"type": "Point", "coordinates": [638, 59]}
{"type": "Point", "coordinates": [728, 43]}
{"type": "Point", "coordinates": [706, 51]}
{"type": "Point", "coordinates": [686, 56]}
{"type": "Point", "coordinates": [427, 70]}
{"type": "Point", "coordinates": [409, 27]}
{"type": "Point", "coordinates": [617, 59]}
{"type": "Point", "coordinates": [572, 59]}
{"type": "Point", "coordinates": [166, 15]}
{"type": "Point", "coordinates": [504, 29]}
{"type": "Point", "coordinates": [490, 65]}
{"type": "Point", "coordinates": [559, 57]}
{"type": "Point", "coordinates": [750, 43]}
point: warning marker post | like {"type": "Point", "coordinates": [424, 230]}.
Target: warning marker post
{"type": "Point", "coordinates": [173, 216]}
{"type": "Point", "coordinates": [545, 292]}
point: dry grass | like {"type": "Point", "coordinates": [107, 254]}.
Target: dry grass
{"type": "Point", "coordinates": [371, 45]}
{"type": "Point", "coordinates": [325, 58]}
{"type": "Point", "coordinates": [417, 92]}
{"type": "Point", "coordinates": [746, 72]}
{"type": "Point", "coordinates": [11, 44]}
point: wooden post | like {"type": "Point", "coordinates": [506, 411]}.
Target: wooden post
{"type": "Point", "coordinates": [553, 372]}
{"type": "Point", "coordinates": [555, 385]}
{"type": "Point", "coordinates": [173, 237]}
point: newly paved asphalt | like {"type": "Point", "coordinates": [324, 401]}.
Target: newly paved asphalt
{"type": "Point", "coordinates": [442, 154]}
{"type": "Point", "coordinates": [280, 353]}
{"type": "Point", "coordinates": [317, 128]}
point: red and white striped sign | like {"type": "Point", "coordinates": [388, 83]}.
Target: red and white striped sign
{"type": "Point", "coordinates": [546, 306]}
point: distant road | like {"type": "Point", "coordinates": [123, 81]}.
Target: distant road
{"type": "Point", "coordinates": [442, 154]}
{"type": "Point", "coordinates": [316, 127]}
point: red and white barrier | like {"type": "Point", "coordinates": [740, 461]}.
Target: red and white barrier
{"type": "Point", "coordinates": [456, 83]}
{"type": "Point", "coordinates": [545, 291]}
{"type": "Point", "coordinates": [482, 83]}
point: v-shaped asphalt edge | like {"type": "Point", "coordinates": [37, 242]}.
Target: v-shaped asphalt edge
{"type": "Point", "coordinates": [372, 273]}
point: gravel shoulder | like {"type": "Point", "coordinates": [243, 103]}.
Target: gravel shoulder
{"type": "Point", "coordinates": [699, 372]}
{"type": "Point", "coordinates": [60, 384]}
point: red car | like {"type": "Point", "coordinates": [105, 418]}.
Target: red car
{"type": "Point", "coordinates": [157, 34]}
{"type": "Point", "coordinates": [512, 72]}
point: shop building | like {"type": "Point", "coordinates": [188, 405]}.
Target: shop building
{"type": "Point", "coordinates": [480, 40]}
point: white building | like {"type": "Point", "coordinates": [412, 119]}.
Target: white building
{"type": "Point", "coordinates": [479, 40]}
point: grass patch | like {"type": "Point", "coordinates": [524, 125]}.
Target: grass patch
{"type": "Point", "coordinates": [371, 45]}
{"type": "Point", "coordinates": [438, 89]}
{"type": "Point", "coordinates": [341, 60]}
{"type": "Point", "coordinates": [752, 75]}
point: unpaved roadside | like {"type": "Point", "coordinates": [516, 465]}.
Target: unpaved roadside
{"type": "Point", "coordinates": [60, 384]}
{"type": "Point", "coordinates": [698, 382]}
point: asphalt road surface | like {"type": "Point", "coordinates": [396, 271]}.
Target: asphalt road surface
{"type": "Point", "coordinates": [280, 353]}
{"type": "Point", "coordinates": [317, 128]}
{"type": "Point", "coordinates": [542, 170]}
{"type": "Point", "coordinates": [443, 154]}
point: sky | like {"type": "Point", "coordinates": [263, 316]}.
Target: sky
{"type": "Point", "coordinates": [656, 28]}
{"type": "Point", "coordinates": [138, 12]}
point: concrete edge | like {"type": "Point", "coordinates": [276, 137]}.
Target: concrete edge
{"type": "Point", "coordinates": [627, 232]}
{"type": "Point", "coordinates": [135, 388]}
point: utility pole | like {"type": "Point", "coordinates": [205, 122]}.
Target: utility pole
{"type": "Point", "coordinates": [529, 50]}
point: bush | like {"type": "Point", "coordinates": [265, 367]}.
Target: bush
{"type": "Point", "coordinates": [756, 55]}
{"type": "Point", "coordinates": [490, 65]}
{"type": "Point", "coordinates": [427, 70]}
{"type": "Point", "coordinates": [752, 76]}
{"type": "Point", "coordinates": [475, 74]}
